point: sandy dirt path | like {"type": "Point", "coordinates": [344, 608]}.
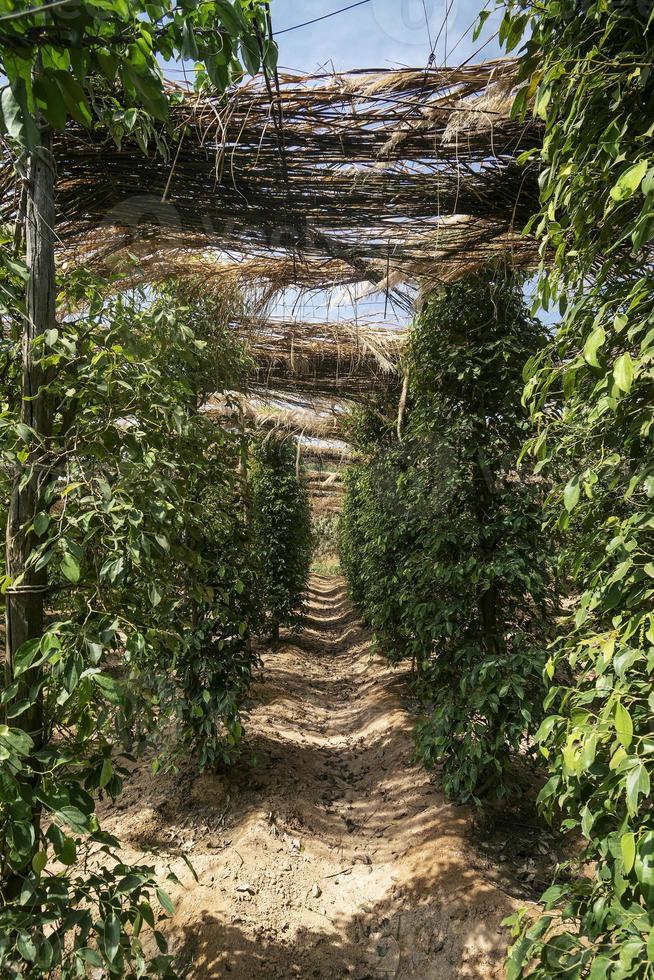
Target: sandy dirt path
{"type": "Point", "coordinates": [328, 854]}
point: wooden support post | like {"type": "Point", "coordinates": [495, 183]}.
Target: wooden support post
{"type": "Point", "coordinates": [25, 602]}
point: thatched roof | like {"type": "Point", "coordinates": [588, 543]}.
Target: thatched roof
{"type": "Point", "coordinates": [369, 170]}
{"type": "Point", "coordinates": [380, 180]}
{"type": "Point", "coordinates": [315, 418]}
{"type": "Point", "coordinates": [344, 359]}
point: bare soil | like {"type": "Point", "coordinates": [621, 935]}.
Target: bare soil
{"type": "Point", "coordinates": [327, 854]}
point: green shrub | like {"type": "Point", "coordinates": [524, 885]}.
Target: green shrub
{"type": "Point", "coordinates": [325, 530]}
{"type": "Point", "coordinates": [140, 528]}
{"type": "Point", "coordinates": [281, 520]}
{"type": "Point", "coordinates": [442, 537]}
{"type": "Point", "coordinates": [589, 68]}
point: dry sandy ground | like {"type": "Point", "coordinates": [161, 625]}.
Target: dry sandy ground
{"type": "Point", "coordinates": [328, 854]}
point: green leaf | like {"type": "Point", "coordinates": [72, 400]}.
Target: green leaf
{"type": "Point", "coordinates": [111, 688]}
{"type": "Point", "coordinates": [644, 863]}
{"type": "Point", "coordinates": [149, 91]}
{"type": "Point", "coordinates": [91, 956]}
{"type": "Point", "coordinates": [552, 895]}
{"type": "Point", "coordinates": [41, 524]}
{"type": "Point", "coordinates": [19, 741]}
{"type": "Point", "coordinates": [637, 784]}
{"type": "Point", "coordinates": [479, 26]}
{"type": "Point", "coordinates": [515, 32]}
{"type": "Point", "coordinates": [232, 17]}
{"type": "Point", "coordinates": [593, 344]}
{"type": "Point", "coordinates": [623, 372]}
{"type": "Point", "coordinates": [45, 955]}
{"type": "Point", "coordinates": [600, 968]}
{"type": "Point", "coordinates": [571, 494]}
{"type": "Point", "coordinates": [650, 946]}
{"type": "Point", "coordinates": [26, 656]}
{"type": "Point", "coordinates": [39, 862]}
{"type": "Point", "coordinates": [26, 947]}
{"type": "Point", "coordinates": [165, 901]}
{"type": "Point", "coordinates": [587, 821]}
{"type": "Point", "coordinates": [73, 96]}
{"type": "Point", "coordinates": [112, 930]}
{"type": "Point", "coordinates": [623, 725]}
{"type": "Point", "coordinates": [106, 773]}
{"type": "Point", "coordinates": [54, 109]}
{"type": "Point", "coordinates": [271, 56]}
{"type": "Point", "coordinates": [70, 567]}
{"type": "Point", "coordinates": [628, 848]}
{"type": "Point", "coordinates": [113, 569]}
{"type": "Point", "coordinates": [629, 181]}
{"type": "Point", "coordinates": [74, 818]}
{"type": "Point", "coordinates": [251, 53]}
{"type": "Point", "coordinates": [154, 594]}
{"type": "Point", "coordinates": [130, 883]}
{"type": "Point", "coordinates": [16, 118]}
{"type": "Point", "coordinates": [189, 45]}
{"type": "Point", "coordinates": [24, 432]}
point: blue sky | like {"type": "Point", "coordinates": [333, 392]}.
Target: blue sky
{"type": "Point", "coordinates": [381, 33]}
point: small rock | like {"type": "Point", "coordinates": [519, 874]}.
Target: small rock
{"type": "Point", "coordinates": [316, 891]}
{"type": "Point", "coordinates": [246, 888]}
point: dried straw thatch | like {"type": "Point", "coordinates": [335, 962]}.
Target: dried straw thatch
{"type": "Point", "coordinates": [315, 418]}
{"type": "Point", "coordinates": [380, 180]}
{"type": "Point", "coordinates": [367, 167]}
{"type": "Point", "coordinates": [341, 359]}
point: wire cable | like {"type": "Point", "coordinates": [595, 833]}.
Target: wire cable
{"type": "Point", "coordinates": [317, 20]}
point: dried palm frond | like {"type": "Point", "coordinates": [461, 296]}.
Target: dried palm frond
{"type": "Point", "coordinates": [353, 191]}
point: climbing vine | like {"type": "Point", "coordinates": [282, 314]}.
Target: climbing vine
{"type": "Point", "coordinates": [102, 500]}
{"type": "Point", "coordinates": [441, 533]}
{"type": "Point", "coordinates": [588, 71]}
{"type": "Point", "coordinates": [281, 519]}
{"type": "Point", "coordinates": [150, 605]}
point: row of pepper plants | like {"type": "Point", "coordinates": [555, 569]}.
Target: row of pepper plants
{"type": "Point", "coordinates": [508, 548]}
{"type": "Point", "coordinates": [139, 556]}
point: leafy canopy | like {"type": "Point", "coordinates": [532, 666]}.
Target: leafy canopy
{"type": "Point", "coordinates": [588, 69]}
{"type": "Point", "coordinates": [89, 60]}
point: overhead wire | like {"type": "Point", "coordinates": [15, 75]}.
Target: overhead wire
{"type": "Point", "coordinates": [317, 20]}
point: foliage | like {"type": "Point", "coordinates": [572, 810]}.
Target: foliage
{"type": "Point", "coordinates": [281, 521]}
{"type": "Point", "coordinates": [121, 490]}
{"type": "Point", "coordinates": [441, 535]}
{"type": "Point", "coordinates": [99, 60]}
{"type": "Point", "coordinates": [324, 532]}
{"type": "Point", "coordinates": [588, 69]}
{"type": "Point", "coordinates": [141, 528]}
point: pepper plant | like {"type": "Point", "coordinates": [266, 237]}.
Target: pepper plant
{"type": "Point", "coordinates": [587, 73]}
{"type": "Point", "coordinates": [95, 63]}
{"type": "Point", "coordinates": [281, 521]}
{"type": "Point", "coordinates": [149, 610]}
{"type": "Point", "coordinates": [441, 534]}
